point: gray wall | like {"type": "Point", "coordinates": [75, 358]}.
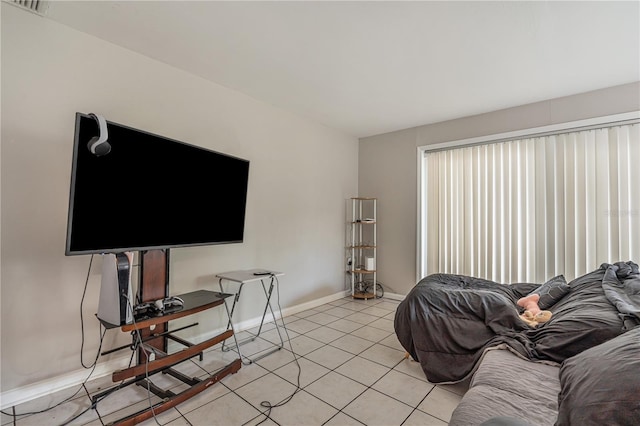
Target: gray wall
{"type": "Point", "coordinates": [301, 174]}
{"type": "Point", "coordinates": [388, 165]}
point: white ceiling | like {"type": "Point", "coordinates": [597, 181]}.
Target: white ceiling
{"type": "Point", "coordinates": [373, 67]}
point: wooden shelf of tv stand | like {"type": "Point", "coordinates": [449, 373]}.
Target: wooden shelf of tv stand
{"type": "Point", "coordinates": [194, 302]}
{"type": "Point", "coordinates": [172, 399]}
{"type": "Point", "coordinates": [167, 361]}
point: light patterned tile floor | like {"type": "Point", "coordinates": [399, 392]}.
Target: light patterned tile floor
{"type": "Point", "coordinates": [343, 365]}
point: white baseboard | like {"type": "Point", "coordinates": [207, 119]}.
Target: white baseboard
{"type": "Point", "coordinates": [36, 390]}
{"type": "Point", "coordinates": [395, 296]}
{"type": "Point", "coordinates": [254, 322]}
{"type": "Point", "coordinates": [75, 378]}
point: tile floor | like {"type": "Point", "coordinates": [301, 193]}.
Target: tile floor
{"type": "Point", "coordinates": [352, 372]}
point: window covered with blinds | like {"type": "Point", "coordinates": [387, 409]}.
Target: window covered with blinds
{"type": "Point", "coordinates": [530, 208]}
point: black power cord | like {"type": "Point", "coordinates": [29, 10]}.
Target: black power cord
{"type": "Point", "coordinates": [138, 344]}
{"type": "Point", "coordinates": [84, 293]}
{"type": "Point", "coordinates": [92, 366]}
{"type": "Point", "coordinates": [366, 287]}
{"type": "Point", "coordinates": [268, 405]}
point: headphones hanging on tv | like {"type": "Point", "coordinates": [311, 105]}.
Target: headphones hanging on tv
{"type": "Point", "coordinates": [98, 145]}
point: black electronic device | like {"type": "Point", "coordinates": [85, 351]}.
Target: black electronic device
{"type": "Point", "coordinates": [151, 192]}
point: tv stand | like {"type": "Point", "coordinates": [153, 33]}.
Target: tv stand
{"type": "Point", "coordinates": [154, 334]}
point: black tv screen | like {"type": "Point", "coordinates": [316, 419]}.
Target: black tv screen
{"type": "Point", "coordinates": [151, 192]}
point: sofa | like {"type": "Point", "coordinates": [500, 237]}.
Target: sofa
{"type": "Point", "coordinates": [600, 386]}
{"type": "Point", "coordinates": [582, 367]}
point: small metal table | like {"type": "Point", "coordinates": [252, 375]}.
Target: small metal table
{"type": "Point", "coordinates": [243, 277]}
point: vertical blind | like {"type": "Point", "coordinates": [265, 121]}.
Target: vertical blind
{"type": "Point", "coordinates": [530, 209]}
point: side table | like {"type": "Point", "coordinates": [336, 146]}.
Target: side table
{"type": "Point", "coordinates": [268, 280]}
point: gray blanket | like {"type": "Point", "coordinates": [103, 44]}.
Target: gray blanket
{"type": "Point", "coordinates": [446, 321]}
{"type": "Point", "coordinates": [621, 285]}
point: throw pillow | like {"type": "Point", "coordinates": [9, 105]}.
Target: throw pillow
{"type": "Point", "coordinates": [551, 292]}
{"type": "Point", "coordinates": [600, 385]}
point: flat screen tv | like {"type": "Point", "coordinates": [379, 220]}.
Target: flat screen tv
{"type": "Point", "coordinates": [151, 192]}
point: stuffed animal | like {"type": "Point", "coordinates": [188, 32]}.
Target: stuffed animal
{"type": "Point", "coordinates": [532, 314]}
{"type": "Point", "coordinates": [534, 320]}
{"type": "Point", "coordinates": [530, 303]}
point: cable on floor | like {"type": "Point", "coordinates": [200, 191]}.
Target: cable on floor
{"type": "Point", "coordinates": [92, 366]}
{"type": "Point", "coordinates": [266, 404]}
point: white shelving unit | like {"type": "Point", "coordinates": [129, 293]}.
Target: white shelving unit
{"type": "Point", "coordinates": [363, 249]}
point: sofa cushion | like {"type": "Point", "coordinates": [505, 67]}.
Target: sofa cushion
{"type": "Point", "coordinates": [602, 385]}
{"type": "Point", "coordinates": [551, 291]}
{"type": "Point", "coordinates": [507, 385]}
{"type": "Point", "coordinates": [582, 319]}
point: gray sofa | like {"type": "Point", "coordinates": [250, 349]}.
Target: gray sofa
{"type": "Point", "coordinates": [600, 386]}
{"type": "Point", "coordinates": [582, 367]}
